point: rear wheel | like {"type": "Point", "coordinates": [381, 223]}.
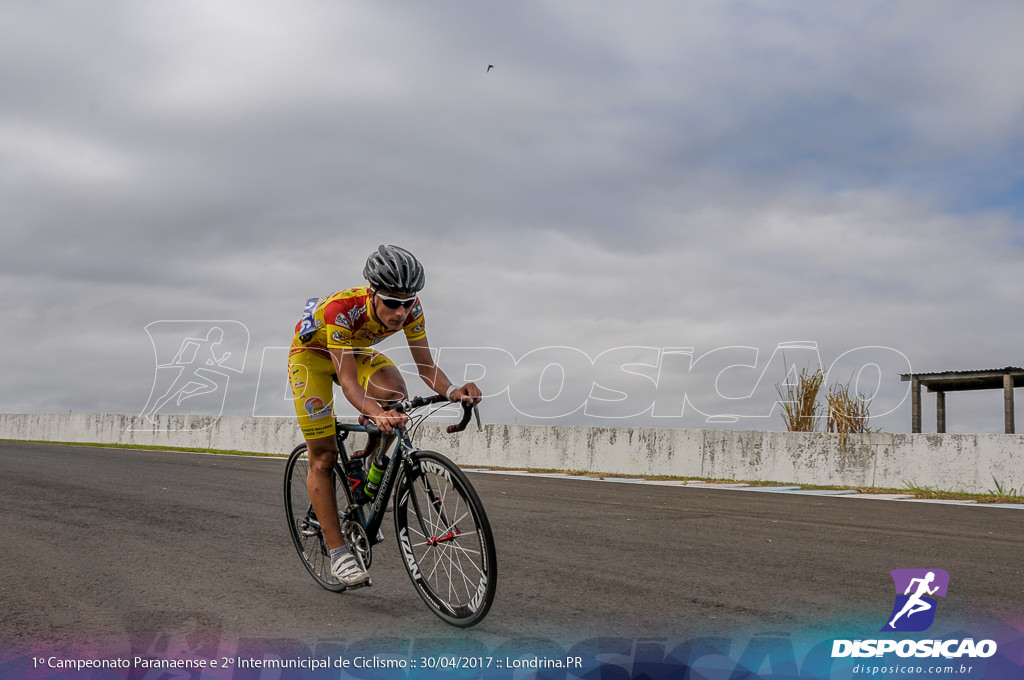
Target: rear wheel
{"type": "Point", "coordinates": [445, 539]}
{"type": "Point", "coordinates": [302, 522]}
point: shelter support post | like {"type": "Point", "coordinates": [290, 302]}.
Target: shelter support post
{"type": "Point", "coordinates": [1008, 403]}
{"type": "Point", "coordinates": [915, 400]}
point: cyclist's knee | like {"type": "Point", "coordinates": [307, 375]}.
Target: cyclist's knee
{"type": "Point", "coordinates": [322, 463]}
{"type": "Point", "coordinates": [387, 384]}
{"type": "Point", "coordinates": [322, 453]}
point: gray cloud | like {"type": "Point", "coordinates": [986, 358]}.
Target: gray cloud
{"type": "Point", "coordinates": [662, 175]}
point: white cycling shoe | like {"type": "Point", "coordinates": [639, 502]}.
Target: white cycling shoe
{"type": "Point", "coordinates": [347, 570]}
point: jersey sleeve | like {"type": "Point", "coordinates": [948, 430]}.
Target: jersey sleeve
{"type": "Point", "coordinates": [415, 328]}
{"type": "Point", "coordinates": [338, 325]}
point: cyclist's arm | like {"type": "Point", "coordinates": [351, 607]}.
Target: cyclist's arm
{"type": "Point", "coordinates": [435, 378]}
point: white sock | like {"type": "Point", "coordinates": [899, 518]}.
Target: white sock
{"type": "Point", "coordinates": [338, 553]}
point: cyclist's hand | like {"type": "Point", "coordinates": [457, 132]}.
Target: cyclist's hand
{"type": "Point", "coordinates": [389, 420]}
{"type": "Point", "coordinates": [468, 394]}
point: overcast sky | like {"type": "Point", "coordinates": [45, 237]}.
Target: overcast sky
{"type": "Point", "coordinates": [659, 175]}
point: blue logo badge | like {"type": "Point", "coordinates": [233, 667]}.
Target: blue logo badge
{"type": "Point", "coordinates": [914, 609]}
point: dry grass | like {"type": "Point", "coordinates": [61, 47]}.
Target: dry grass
{"type": "Point", "coordinates": [847, 414]}
{"type": "Point", "coordinates": [800, 409]}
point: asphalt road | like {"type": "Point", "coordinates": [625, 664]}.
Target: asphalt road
{"type": "Point", "coordinates": [107, 545]}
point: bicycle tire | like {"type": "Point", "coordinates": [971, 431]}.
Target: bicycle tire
{"type": "Point", "coordinates": [445, 539]}
{"type": "Point", "coordinates": [308, 538]}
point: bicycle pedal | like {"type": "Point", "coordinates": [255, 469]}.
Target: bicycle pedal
{"type": "Point", "coordinates": [365, 584]}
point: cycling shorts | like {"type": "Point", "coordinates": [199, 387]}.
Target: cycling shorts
{"type": "Point", "coordinates": [311, 376]}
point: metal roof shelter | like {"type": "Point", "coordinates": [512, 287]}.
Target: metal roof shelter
{"type": "Point", "coordinates": [958, 381]}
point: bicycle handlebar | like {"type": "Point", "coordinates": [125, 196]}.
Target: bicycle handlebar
{"type": "Point", "coordinates": [418, 402]}
{"type": "Point", "coordinates": [467, 411]}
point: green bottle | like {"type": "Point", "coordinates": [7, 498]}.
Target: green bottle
{"type": "Point", "coordinates": [375, 474]}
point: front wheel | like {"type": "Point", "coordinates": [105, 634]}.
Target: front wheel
{"type": "Point", "coordinates": [445, 539]}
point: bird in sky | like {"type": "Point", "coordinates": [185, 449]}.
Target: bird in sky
{"type": "Point", "coordinates": [489, 67]}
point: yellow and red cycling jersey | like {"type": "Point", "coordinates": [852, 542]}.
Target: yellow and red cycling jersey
{"type": "Point", "coordinates": [344, 320]}
{"type": "Point", "coordinates": [340, 320]}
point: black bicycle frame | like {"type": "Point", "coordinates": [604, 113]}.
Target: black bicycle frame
{"type": "Point", "coordinates": [402, 453]}
{"type": "Point", "coordinates": [376, 507]}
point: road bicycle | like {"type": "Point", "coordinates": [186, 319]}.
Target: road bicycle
{"type": "Point", "coordinates": [443, 534]}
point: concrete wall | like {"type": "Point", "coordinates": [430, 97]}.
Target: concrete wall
{"type": "Point", "coordinates": [966, 463]}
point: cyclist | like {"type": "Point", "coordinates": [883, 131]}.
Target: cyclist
{"type": "Point", "coordinates": [332, 344]}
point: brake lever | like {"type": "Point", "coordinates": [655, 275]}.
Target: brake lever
{"type": "Point", "coordinates": [476, 414]}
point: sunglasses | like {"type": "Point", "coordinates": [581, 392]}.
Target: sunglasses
{"type": "Point", "coordinates": [395, 303]}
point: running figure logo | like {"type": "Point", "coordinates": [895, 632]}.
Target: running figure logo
{"type": "Point", "coordinates": [194, 364]}
{"type": "Point", "coordinates": [915, 605]}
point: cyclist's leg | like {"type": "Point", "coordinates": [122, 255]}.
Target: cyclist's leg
{"type": "Point", "coordinates": [323, 453]}
{"type": "Point", "coordinates": [383, 382]}
{"type": "Point", "coordinates": [379, 376]}
{"type": "Point", "coordinates": [311, 379]}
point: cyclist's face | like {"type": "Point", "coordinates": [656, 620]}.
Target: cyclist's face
{"type": "Point", "coordinates": [394, 319]}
